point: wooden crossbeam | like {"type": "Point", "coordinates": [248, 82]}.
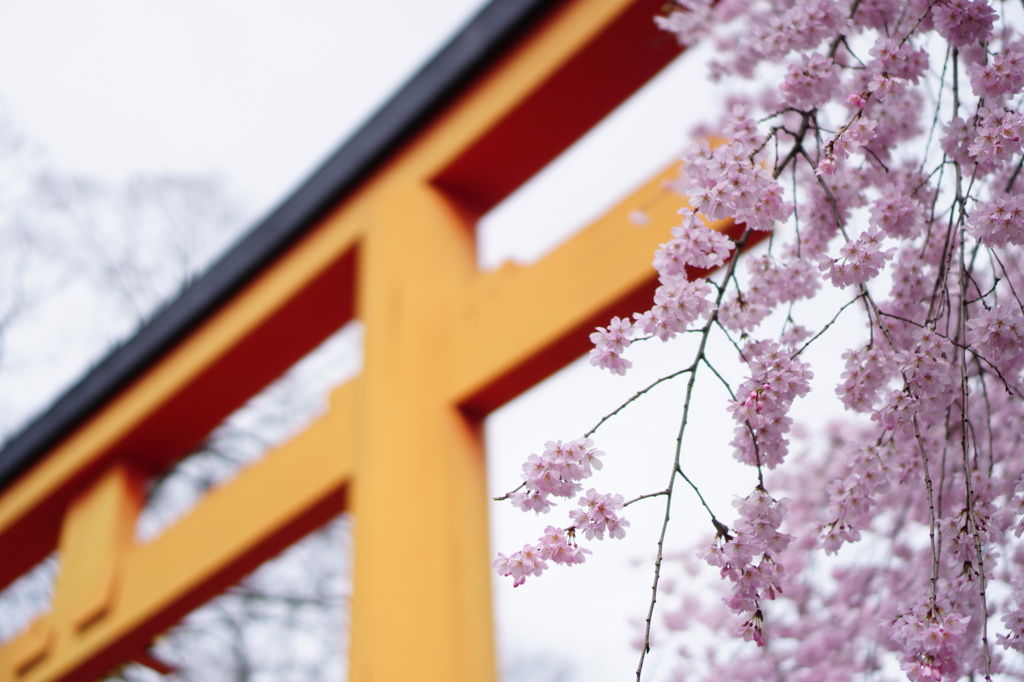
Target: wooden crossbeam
{"type": "Point", "coordinates": [401, 446]}
{"type": "Point", "coordinates": [290, 491]}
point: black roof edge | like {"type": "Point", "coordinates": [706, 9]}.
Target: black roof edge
{"type": "Point", "coordinates": [484, 37]}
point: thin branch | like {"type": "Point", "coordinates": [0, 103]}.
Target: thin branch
{"type": "Point", "coordinates": [829, 324]}
{"type": "Point", "coordinates": [636, 396]}
{"type": "Point", "coordinates": [644, 497]}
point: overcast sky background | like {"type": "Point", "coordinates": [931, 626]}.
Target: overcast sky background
{"type": "Point", "coordinates": [262, 91]}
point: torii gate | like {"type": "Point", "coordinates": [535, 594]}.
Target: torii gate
{"type": "Point", "coordinates": [383, 233]}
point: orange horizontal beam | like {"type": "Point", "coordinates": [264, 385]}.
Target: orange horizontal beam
{"type": "Point", "coordinates": [519, 325]}
{"type": "Point", "coordinates": [164, 414]}
{"type": "Point", "coordinates": [232, 530]}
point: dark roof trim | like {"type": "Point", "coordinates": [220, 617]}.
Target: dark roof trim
{"type": "Point", "coordinates": [467, 53]}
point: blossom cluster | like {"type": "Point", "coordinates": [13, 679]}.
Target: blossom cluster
{"type": "Point", "coordinates": [930, 640]}
{"type": "Point", "coordinates": [999, 222]}
{"type": "Point", "coordinates": [728, 181]}
{"type": "Point", "coordinates": [771, 283]}
{"type": "Point", "coordinates": [861, 260]}
{"type": "Point", "coordinates": [596, 515]}
{"type": "Point", "coordinates": [557, 472]}
{"type": "Point", "coordinates": [1002, 76]}
{"type": "Point", "coordinates": [678, 301]}
{"type": "Point", "coordinates": [693, 245]}
{"type": "Point", "coordinates": [1013, 619]}
{"type": "Point", "coordinates": [852, 498]}
{"type": "Point", "coordinates": [998, 334]}
{"type": "Point", "coordinates": [998, 136]}
{"type": "Point", "coordinates": [762, 402]}
{"type": "Point", "coordinates": [745, 558]}
{"type": "Point", "coordinates": [868, 370]}
{"type": "Point", "coordinates": [810, 82]}
{"type": "Point", "coordinates": [557, 545]}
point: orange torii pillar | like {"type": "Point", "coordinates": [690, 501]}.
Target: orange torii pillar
{"type": "Point", "coordinates": [401, 445]}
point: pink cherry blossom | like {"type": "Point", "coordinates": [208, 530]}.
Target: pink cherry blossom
{"type": "Point", "coordinates": [860, 260]}
{"type": "Point", "coordinates": [999, 221]}
{"type": "Point", "coordinates": [609, 344]}
{"type": "Point", "coordinates": [810, 82]}
{"type": "Point", "coordinates": [964, 22]}
{"type": "Point", "coordinates": [1002, 76]}
{"type": "Point", "coordinates": [876, 146]}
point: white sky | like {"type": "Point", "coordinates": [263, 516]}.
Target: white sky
{"type": "Point", "coordinates": [261, 91]}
